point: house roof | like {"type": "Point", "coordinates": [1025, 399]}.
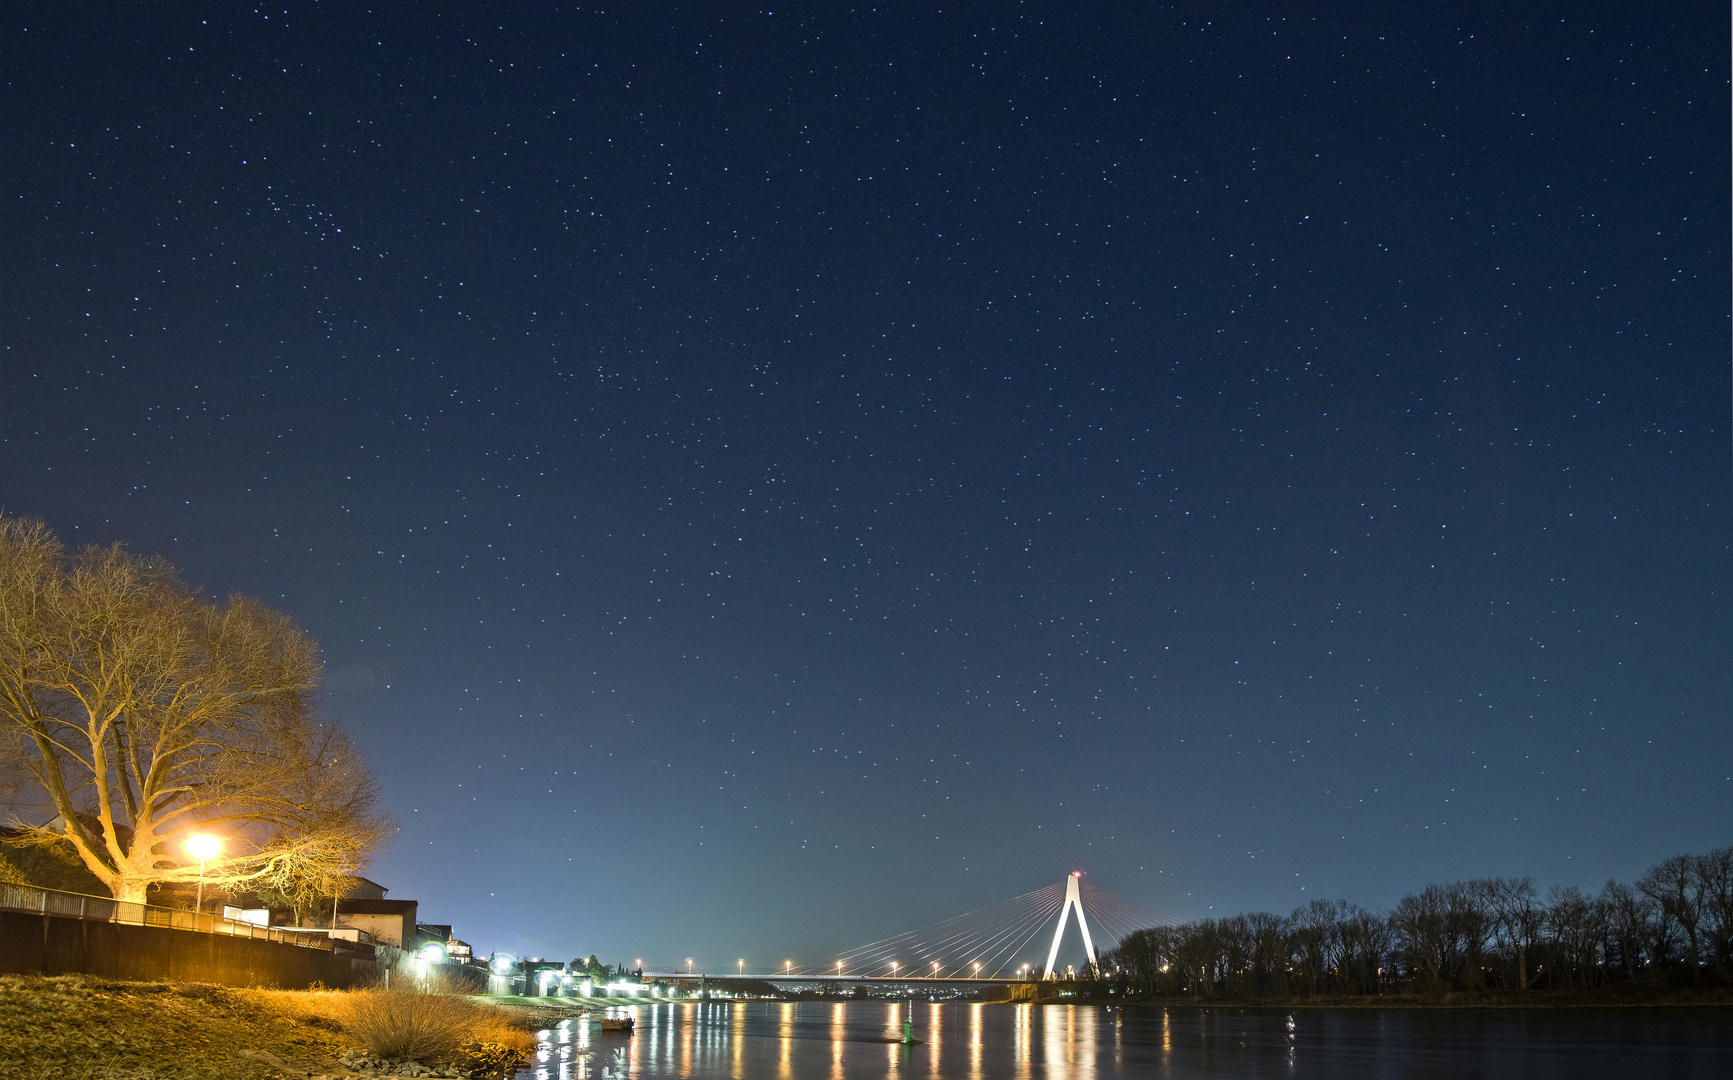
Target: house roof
{"type": "Point", "coordinates": [376, 907]}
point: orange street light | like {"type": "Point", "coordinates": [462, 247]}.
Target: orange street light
{"type": "Point", "coordinates": [202, 846]}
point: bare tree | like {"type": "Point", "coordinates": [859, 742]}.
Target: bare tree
{"type": "Point", "coordinates": [1442, 931]}
{"type": "Point", "coordinates": [140, 712]}
{"type": "Point", "coordinates": [1312, 942]}
{"type": "Point", "coordinates": [1267, 952]}
{"type": "Point", "coordinates": [1677, 888]}
{"type": "Point", "coordinates": [1141, 959]}
{"type": "Point", "coordinates": [1715, 882]}
{"type": "Point", "coordinates": [1519, 919]}
{"type": "Point", "coordinates": [1364, 944]}
{"type": "Point", "coordinates": [1576, 922]}
{"type": "Point", "coordinates": [1629, 917]}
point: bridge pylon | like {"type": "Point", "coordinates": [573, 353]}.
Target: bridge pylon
{"type": "Point", "coordinates": [1073, 899]}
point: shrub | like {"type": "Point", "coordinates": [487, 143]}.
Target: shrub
{"type": "Point", "coordinates": [411, 1024]}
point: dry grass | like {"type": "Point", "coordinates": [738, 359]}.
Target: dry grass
{"type": "Point", "coordinates": [414, 1024]}
{"type": "Point", "coordinates": [84, 1028]}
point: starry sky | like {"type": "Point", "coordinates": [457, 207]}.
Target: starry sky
{"type": "Point", "coordinates": [767, 479]}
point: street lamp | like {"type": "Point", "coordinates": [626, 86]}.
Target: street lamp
{"type": "Point", "coordinates": [893, 969]}
{"type": "Point", "coordinates": [839, 969]}
{"type": "Point", "coordinates": [689, 968]}
{"type": "Point", "coordinates": [787, 967]}
{"type": "Point", "coordinates": [202, 846]}
{"type": "Point", "coordinates": [739, 967]}
{"type": "Point", "coordinates": [977, 969]}
{"type": "Point", "coordinates": [935, 969]}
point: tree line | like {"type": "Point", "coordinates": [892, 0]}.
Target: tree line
{"type": "Point", "coordinates": [1672, 927]}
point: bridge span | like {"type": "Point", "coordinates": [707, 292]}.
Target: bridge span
{"type": "Point", "coordinates": [995, 945]}
{"type": "Point", "coordinates": [725, 978]}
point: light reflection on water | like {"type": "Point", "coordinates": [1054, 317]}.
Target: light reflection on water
{"type": "Point", "coordinates": [841, 1041]}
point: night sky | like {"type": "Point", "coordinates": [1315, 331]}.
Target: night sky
{"type": "Point", "coordinates": [766, 480]}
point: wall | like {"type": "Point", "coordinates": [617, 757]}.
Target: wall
{"type": "Point", "coordinates": [52, 945]}
{"type": "Point", "coordinates": [386, 929]}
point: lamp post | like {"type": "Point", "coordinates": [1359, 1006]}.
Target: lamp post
{"type": "Point", "coordinates": [893, 969]}
{"type": "Point", "coordinates": [935, 969]}
{"type": "Point", "coordinates": [839, 969]}
{"type": "Point", "coordinates": [977, 969]}
{"type": "Point", "coordinates": [739, 967]}
{"type": "Point", "coordinates": [689, 968]}
{"type": "Point", "coordinates": [202, 846]}
{"type": "Point", "coordinates": [787, 968]}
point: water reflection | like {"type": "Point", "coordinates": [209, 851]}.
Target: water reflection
{"type": "Point", "coordinates": [1035, 1042]}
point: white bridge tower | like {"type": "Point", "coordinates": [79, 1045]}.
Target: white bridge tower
{"type": "Point", "coordinates": [1073, 899]}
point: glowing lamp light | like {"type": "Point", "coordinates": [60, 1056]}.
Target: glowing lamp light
{"type": "Point", "coordinates": [501, 963]}
{"type": "Point", "coordinates": [433, 952]}
{"type": "Point", "coordinates": [202, 846]}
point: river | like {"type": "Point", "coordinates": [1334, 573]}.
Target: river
{"type": "Point", "coordinates": [842, 1041]}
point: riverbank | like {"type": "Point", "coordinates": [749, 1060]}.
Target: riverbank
{"type": "Point", "coordinates": [83, 1028]}
{"type": "Point", "coordinates": [1605, 998]}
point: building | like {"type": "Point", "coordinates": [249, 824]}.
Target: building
{"type": "Point", "coordinates": [391, 922]}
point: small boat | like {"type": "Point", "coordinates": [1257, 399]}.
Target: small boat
{"type": "Point", "coordinates": [618, 1023]}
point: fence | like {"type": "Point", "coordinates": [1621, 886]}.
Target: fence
{"type": "Point", "coordinates": [34, 901]}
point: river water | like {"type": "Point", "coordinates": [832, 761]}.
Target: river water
{"type": "Point", "coordinates": [842, 1041]}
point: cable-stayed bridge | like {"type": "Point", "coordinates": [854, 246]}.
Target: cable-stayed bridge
{"type": "Point", "coordinates": [1005, 942]}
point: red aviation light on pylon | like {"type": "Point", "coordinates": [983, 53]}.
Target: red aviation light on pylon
{"type": "Point", "coordinates": [1076, 873]}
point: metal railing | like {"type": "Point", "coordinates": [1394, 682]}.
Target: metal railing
{"type": "Point", "coordinates": [28, 898]}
